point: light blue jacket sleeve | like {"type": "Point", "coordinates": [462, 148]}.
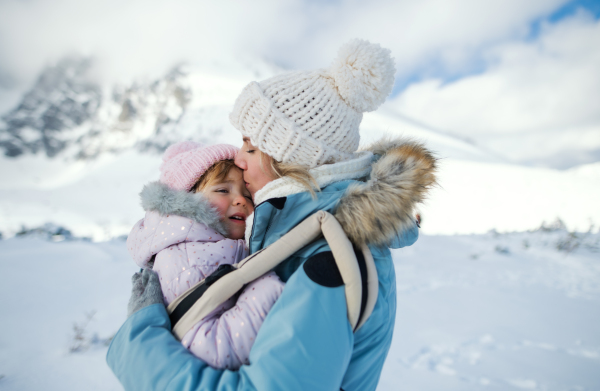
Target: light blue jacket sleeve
{"type": "Point", "coordinates": [406, 238]}
{"type": "Point", "coordinates": [305, 343]}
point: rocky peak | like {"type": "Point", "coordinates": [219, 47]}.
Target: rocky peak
{"type": "Point", "coordinates": [65, 113]}
{"type": "Point", "coordinates": [62, 98]}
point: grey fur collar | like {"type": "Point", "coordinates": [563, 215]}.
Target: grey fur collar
{"type": "Point", "coordinates": [160, 198]}
{"type": "Point", "coordinates": [377, 210]}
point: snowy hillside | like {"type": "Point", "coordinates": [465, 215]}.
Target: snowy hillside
{"type": "Point", "coordinates": [80, 162]}
{"type": "Point", "coordinates": [83, 169]}
{"type": "Point", "coordinates": [494, 312]}
{"type": "Point", "coordinates": [98, 198]}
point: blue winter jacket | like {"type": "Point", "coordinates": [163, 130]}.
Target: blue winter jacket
{"type": "Point", "coordinates": [305, 342]}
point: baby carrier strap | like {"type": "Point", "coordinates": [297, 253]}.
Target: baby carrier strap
{"type": "Point", "coordinates": [205, 296]}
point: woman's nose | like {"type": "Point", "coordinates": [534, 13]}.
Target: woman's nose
{"type": "Point", "coordinates": [241, 163]}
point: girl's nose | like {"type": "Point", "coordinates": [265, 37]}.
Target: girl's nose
{"type": "Point", "coordinates": [240, 200]}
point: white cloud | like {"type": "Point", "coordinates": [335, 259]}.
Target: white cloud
{"type": "Point", "coordinates": [135, 37]}
{"type": "Point", "coordinates": [422, 34]}
{"type": "Point", "coordinates": [550, 84]}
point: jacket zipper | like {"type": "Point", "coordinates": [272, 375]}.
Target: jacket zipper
{"type": "Point", "coordinates": [254, 223]}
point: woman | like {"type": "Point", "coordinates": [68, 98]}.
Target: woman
{"type": "Point", "coordinates": [300, 134]}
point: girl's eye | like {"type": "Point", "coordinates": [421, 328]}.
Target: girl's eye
{"type": "Point", "coordinates": [249, 197]}
{"type": "Point", "coordinates": [250, 151]}
{"type": "Point", "coordinates": [222, 191]}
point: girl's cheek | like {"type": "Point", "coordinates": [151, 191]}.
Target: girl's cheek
{"type": "Point", "coordinates": [222, 209]}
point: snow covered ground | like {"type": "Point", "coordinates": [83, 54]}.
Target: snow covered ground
{"type": "Point", "coordinates": [475, 312]}
{"type": "Point", "coordinates": [497, 312]}
{"type": "Point", "coordinates": [47, 289]}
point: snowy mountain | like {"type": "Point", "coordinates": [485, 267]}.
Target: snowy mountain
{"type": "Point", "coordinates": [66, 113]}
{"type": "Point", "coordinates": [61, 100]}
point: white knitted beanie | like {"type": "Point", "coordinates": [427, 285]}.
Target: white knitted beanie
{"type": "Point", "coordinates": [312, 117]}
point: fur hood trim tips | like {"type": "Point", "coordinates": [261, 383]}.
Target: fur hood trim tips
{"type": "Point", "coordinates": [378, 210]}
{"type": "Point", "coordinates": [158, 197]}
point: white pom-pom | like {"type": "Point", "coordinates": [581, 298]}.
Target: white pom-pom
{"type": "Point", "coordinates": [363, 74]}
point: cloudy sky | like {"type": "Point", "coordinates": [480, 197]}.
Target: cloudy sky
{"type": "Point", "coordinates": [496, 72]}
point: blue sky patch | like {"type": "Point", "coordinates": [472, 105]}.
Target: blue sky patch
{"type": "Point", "coordinates": [435, 68]}
{"type": "Point", "coordinates": [563, 12]}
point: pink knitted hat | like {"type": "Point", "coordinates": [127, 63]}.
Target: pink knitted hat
{"type": "Point", "coordinates": [185, 162]}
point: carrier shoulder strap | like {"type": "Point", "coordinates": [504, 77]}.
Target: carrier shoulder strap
{"type": "Point", "coordinates": [205, 296]}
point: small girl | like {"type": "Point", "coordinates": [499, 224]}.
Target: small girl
{"type": "Point", "coordinates": [195, 221]}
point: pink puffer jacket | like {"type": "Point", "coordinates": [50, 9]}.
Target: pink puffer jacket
{"type": "Point", "coordinates": [181, 232]}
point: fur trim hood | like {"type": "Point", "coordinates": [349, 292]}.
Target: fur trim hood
{"type": "Point", "coordinates": [381, 208]}
{"type": "Point", "coordinates": [158, 197]}
{"type": "Point", "coordinates": [390, 177]}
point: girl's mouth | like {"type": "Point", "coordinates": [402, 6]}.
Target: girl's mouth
{"type": "Point", "coordinates": [238, 218]}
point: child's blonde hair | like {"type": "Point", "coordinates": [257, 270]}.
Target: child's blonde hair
{"type": "Point", "coordinates": [216, 173]}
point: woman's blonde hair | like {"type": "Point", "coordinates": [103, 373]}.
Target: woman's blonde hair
{"type": "Point", "coordinates": [297, 172]}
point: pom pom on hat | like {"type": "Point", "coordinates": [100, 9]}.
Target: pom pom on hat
{"type": "Point", "coordinates": [363, 74]}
